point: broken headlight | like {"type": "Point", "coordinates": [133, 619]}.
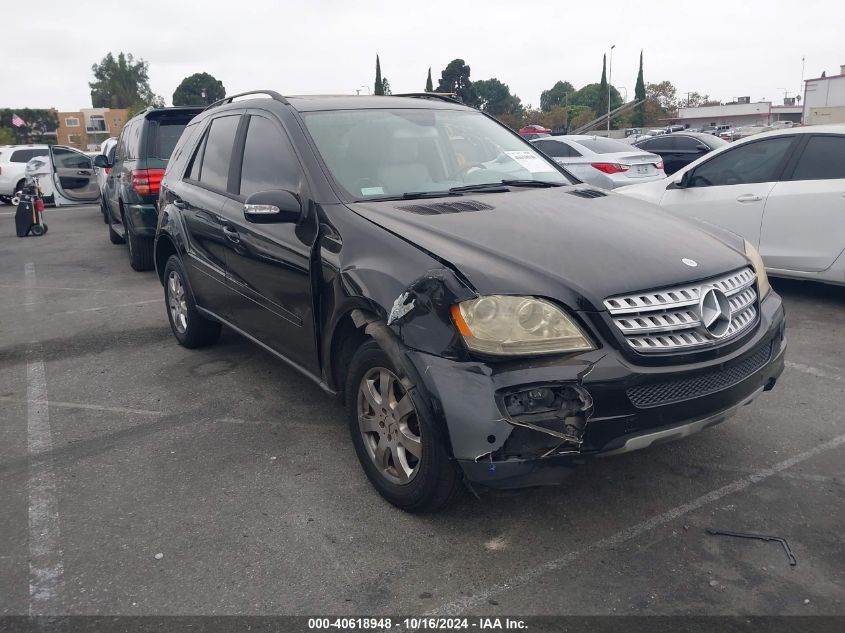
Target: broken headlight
{"type": "Point", "coordinates": [517, 326]}
{"type": "Point", "coordinates": [763, 286]}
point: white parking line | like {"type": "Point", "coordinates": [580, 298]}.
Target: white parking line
{"type": "Point", "coordinates": [813, 371]}
{"type": "Point", "coordinates": [45, 559]}
{"type": "Point", "coordinates": [114, 305]}
{"type": "Point", "coordinates": [480, 597]}
{"type": "Point", "coordinates": [57, 404]}
{"type": "Point", "coordinates": [134, 291]}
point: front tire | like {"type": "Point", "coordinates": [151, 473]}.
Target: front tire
{"type": "Point", "coordinates": [402, 453]}
{"type": "Point", "coordinates": [190, 328]}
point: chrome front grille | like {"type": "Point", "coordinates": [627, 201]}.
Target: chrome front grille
{"type": "Point", "coordinates": [669, 319]}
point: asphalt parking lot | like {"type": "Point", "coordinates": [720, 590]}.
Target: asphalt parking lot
{"type": "Point", "coordinates": [142, 478]}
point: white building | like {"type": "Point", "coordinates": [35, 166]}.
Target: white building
{"type": "Point", "coordinates": [824, 99]}
{"type": "Point", "coordinates": [738, 114]}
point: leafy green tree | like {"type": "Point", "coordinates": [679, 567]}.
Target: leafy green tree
{"type": "Point", "coordinates": [495, 98]}
{"type": "Point", "coordinates": [694, 100]}
{"type": "Point", "coordinates": [455, 78]}
{"type": "Point", "coordinates": [39, 123]}
{"type": "Point", "coordinates": [555, 96]}
{"type": "Point", "coordinates": [429, 87]}
{"type": "Point", "coordinates": [601, 106]}
{"type": "Point", "coordinates": [638, 117]}
{"type": "Point", "coordinates": [198, 89]}
{"type": "Point", "coordinates": [378, 88]}
{"type": "Point", "coordinates": [590, 96]}
{"type": "Point", "coordinates": [385, 87]}
{"type": "Point", "coordinates": [661, 101]}
{"type": "Point", "coordinates": [7, 137]}
{"type": "Point", "coordinates": [122, 83]}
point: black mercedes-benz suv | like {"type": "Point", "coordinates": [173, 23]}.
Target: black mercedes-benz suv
{"type": "Point", "coordinates": [484, 316]}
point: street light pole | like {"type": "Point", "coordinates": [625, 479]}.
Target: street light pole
{"type": "Point", "coordinates": [609, 84]}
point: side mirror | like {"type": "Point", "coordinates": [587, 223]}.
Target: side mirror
{"type": "Point", "coordinates": [273, 206]}
{"type": "Point", "coordinates": [683, 183]}
{"type": "Point", "coordinates": [702, 148]}
{"type": "Point", "coordinates": [100, 160]}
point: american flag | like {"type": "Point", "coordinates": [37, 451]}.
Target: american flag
{"type": "Point", "coordinates": [17, 121]}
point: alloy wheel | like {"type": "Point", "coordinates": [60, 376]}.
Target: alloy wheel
{"type": "Point", "coordinates": [176, 302]}
{"type": "Point", "coordinates": [389, 426]}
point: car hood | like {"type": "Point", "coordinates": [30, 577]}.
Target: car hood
{"type": "Point", "coordinates": [556, 243]}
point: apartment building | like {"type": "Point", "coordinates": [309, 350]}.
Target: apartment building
{"type": "Point", "coordinates": [89, 127]}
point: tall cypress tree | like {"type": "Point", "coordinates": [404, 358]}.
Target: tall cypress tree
{"type": "Point", "coordinates": [638, 120]}
{"type": "Point", "coordinates": [429, 87]}
{"type": "Point", "coordinates": [602, 103]}
{"type": "Point", "coordinates": [379, 86]}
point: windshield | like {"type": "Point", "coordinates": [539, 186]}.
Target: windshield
{"type": "Point", "coordinates": [375, 154]}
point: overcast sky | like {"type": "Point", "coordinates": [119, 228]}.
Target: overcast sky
{"type": "Point", "coordinates": [724, 49]}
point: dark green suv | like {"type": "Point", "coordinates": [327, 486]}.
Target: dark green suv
{"type": "Point", "coordinates": [130, 194]}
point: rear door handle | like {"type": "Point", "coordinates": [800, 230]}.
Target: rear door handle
{"type": "Point", "coordinates": [83, 172]}
{"type": "Point", "coordinates": [231, 234]}
{"type": "Point", "coordinates": [748, 197]}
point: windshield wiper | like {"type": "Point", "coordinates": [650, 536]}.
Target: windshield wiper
{"type": "Point", "coordinates": [491, 187]}
{"type": "Point", "coordinates": [502, 185]}
{"type": "Point", "coordinates": [531, 183]}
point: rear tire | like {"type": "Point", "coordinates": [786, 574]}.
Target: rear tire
{"type": "Point", "coordinates": [140, 251]}
{"type": "Point", "coordinates": [190, 328]}
{"type": "Point", "coordinates": [374, 412]}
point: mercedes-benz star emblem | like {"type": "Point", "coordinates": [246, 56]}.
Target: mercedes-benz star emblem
{"type": "Point", "coordinates": [690, 262]}
{"type": "Point", "coordinates": [715, 311]}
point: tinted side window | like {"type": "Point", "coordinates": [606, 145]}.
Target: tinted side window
{"type": "Point", "coordinates": [555, 149]}
{"type": "Point", "coordinates": [214, 171]}
{"type": "Point", "coordinates": [753, 162]}
{"type": "Point", "coordinates": [68, 159]}
{"type": "Point", "coordinates": [196, 161]}
{"type": "Point", "coordinates": [687, 143]}
{"type": "Point", "coordinates": [120, 148]}
{"type": "Point", "coordinates": [269, 161]}
{"type": "Point", "coordinates": [135, 139]}
{"type": "Point", "coordinates": [666, 142]}
{"type": "Point", "coordinates": [823, 159]}
{"type": "Point", "coordinates": [24, 155]}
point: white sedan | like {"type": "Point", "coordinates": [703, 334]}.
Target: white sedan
{"type": "Point", "coordinates": [783, 191]}
{"type": "Point", "coordinates": [604, 162]}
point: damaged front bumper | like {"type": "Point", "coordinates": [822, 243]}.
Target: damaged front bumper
{"type": "Point", "coordinates": [527, 422]}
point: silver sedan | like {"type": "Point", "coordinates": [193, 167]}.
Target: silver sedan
{"type": "Point", "coordinates": [603, 162]}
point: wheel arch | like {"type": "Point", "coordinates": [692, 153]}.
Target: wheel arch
{"type": "Point", "coordinates": [164, 248]}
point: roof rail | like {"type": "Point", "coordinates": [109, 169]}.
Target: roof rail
{"type": "Point", "coordinates": [449, 97]}
{"type": "Point", "coordinates": [271, 93]}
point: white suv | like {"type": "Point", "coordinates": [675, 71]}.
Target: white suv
{"type": "Point", "coordinates": [13, 160]}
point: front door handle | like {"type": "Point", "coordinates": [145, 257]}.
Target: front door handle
{"type": "Point", "coordinates": [749, 197]}
{"type": "Point", "coordinates": [83, 172]}
{"type": "Point", "coordinates": [231, 234]}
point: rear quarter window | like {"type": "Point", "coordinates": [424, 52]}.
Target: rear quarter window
{"type": "Point", "coordinates": [25, 155]}
{"type": "Point", "coordinates": [163, 134]}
